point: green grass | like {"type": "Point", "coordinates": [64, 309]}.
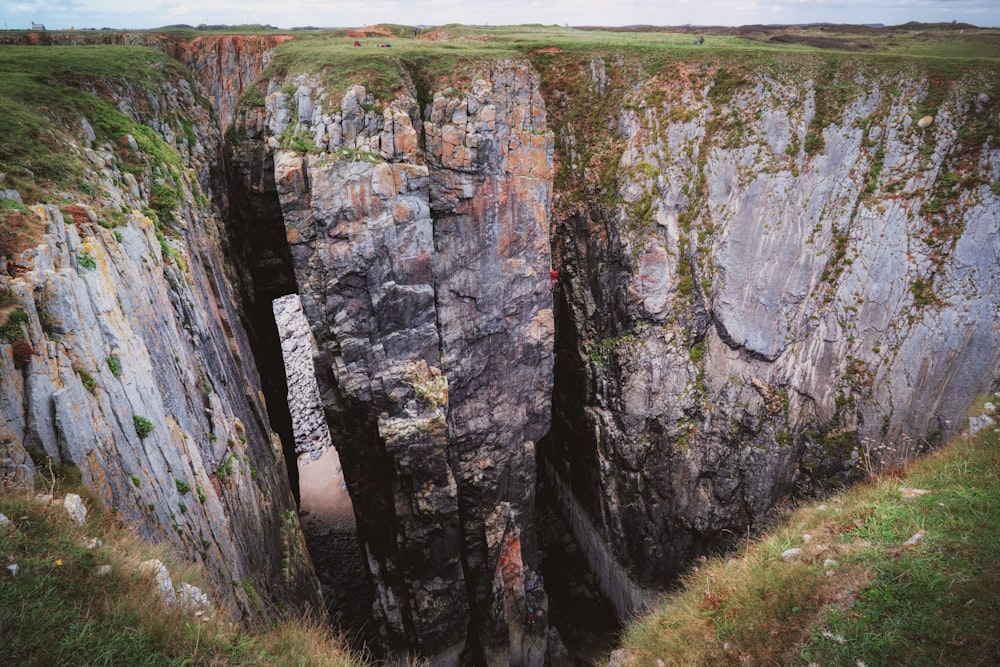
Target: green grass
{"type": "Point", "coordinates": [935, 602]}
{"type": "Point", "coordinates": [42, 94]}
{"type": "Point", "coordinates": [58, 611]}
{"type": "Point", "coordinates": [468, 46]}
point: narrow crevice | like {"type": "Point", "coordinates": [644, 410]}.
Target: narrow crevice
{"type": "Point", "coordinates": [584, 619]}
{"type": "Point", "coordinates": [262, 271]}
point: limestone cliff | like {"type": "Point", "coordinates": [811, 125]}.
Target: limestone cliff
{"type": "Point", "coordinates": [124, 353]}
{"type": "Point", "coordinates": [771, 279]}
{"type": "Point", "coordinates": [421, 252]}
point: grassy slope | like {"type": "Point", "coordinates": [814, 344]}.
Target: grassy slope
{"type": "Point", "coordinates": [935, 602]}
{"type": "Point", "coordinates": [43, 96]}
{"type": "Point", "coordinates": [59, 611]}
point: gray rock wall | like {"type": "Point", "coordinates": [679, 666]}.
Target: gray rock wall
{"type": "Point", "coordinates": [786, 290]}
{"type": "Point", "coordinates": [424, 273]}
{"type": "Point", "coordinates": [139, 371]}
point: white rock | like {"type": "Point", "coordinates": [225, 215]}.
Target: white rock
{"type": "Point", "coordinates": [164, 586]}
{"type": "Point", "coordinates": [191, 598]}
{"type": "Point", "coordinates": [789, 554]}
{"type": "Point", "coordinates": [913, 540]}
{"type": "Point", "coordinates": [75, 508]}
{"type": "Point", "coordinates": [14, 569]}
{"type": "Point", "coordinates": [807, 538]}
{"type": "Point", "coordinates": [829, 562]}
{"type": "Point", "coordinates": [925, 122]}
{"type": "Point", "coordinates": [4, 521]}
{"type": "Point", "coordinates": [989, 407]}
{"type": "Point", "coordinates": [977, 424]}
{"type": "Point", "coordinates": [102, 570]}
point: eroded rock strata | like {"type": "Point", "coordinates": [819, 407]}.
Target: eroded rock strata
{"type": "Point", "coordinates": [421, 251]}
{"type": "Point", "coordinates": [787, 287]}
{"type": "Point", "coordinates": [127, 357]}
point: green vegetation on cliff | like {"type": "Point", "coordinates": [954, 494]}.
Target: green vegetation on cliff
{"type": "Point", "coordinates": [46, 94]}
{"type": "Point", "coordinates": [900, 571]}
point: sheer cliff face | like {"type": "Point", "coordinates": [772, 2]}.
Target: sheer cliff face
{"type": "Point", "coordinates": [137, 369]}
{"type": "Point", "coordinates": [421, 251]}
{"type": "Point", "coordinates": [225, 65]}
{"type": "Point", "coordinates": [792, 281]}
{"type": "Point", "coordinates": [768, 280]}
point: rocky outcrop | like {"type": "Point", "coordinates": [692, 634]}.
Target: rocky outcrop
{"type": "Point", "coordinates": [124, 355]}
{"type": "Point", "coordinates": [226, 65]}
{"type": "Point", "coordinates": [424, 274]}
{"type": "Point", "coordinates": [768, 281]}
{"type": "Point", "coordinates": [791, 284]}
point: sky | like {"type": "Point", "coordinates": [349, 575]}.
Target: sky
{"type": "Point", "coordinates": [137, 14]}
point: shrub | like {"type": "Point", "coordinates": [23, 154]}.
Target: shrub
{"type": "Point", "coordinates": [89, 383]}
{"type": "Point", "coordinates": [86, 260]}
{"type": "Point", "coordinates": [118, 236]}
{"type": "Point", "coordinates": [182, 486]}
{"type": "Point", "coordinates": [114, 365]}
{"type": "Point", "coordinates": [136, 481]}
{"type": "Point", "coordinates": [143, 426]}
{"type": "Point", "coordinates": [11, 330]}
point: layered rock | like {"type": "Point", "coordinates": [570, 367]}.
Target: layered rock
{"type": "Point", "coordinates": [226, 65]}
{"type": "Point", "coordinates": [424, 274]}
{"type": "Point", "coordinates": [785, 288]}
{"type": "Point", "coordinates": [129, 361]}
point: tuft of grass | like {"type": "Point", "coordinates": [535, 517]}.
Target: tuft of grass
{"type": "Point", "coordinates": [114, 365]}
{"type": "Point", "coordinates": [890, 598]}
{"type": "Point", "coordinates": [86, 260]}
{"type": "Point", "coordinates": [143, 427]}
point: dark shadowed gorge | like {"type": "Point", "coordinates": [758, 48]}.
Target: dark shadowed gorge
{"type": "Point", "coordinates": [600, 304]}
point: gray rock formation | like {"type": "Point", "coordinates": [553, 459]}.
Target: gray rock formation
{"type": "Point", "coordinates": [132, 364]}
{"type": "Point", "coordinates": [298, 347]}
{"type": "Point", "coordinates": [425, 277]}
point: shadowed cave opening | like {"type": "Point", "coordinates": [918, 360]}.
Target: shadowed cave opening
{"type": "Point", "coordinates": [583, 617]}
{"type": "Point", "coordinates": [278, 331]}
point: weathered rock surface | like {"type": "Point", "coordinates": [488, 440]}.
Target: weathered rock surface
{"type": "Point", "coordinates": [225, 65]}
{"type": "Point", "coordinates": [298, 346]}
{"type": "Point", "coordinates": [768, 281]}
{"type": "Point", "coordinates": [132, 363]}
{"type": "Point", "coordinates": [424, 274]}
{"type": "Point", "coordinates": [783, 289]}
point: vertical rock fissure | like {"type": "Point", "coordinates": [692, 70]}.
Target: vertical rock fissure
{"type": "Point", "coordinates": [260, 252]}
{"type": "Point", "coordinates": [259, 242]}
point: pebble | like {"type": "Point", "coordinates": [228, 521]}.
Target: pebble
{"type": "Point", "coordinates": [789, 554]}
